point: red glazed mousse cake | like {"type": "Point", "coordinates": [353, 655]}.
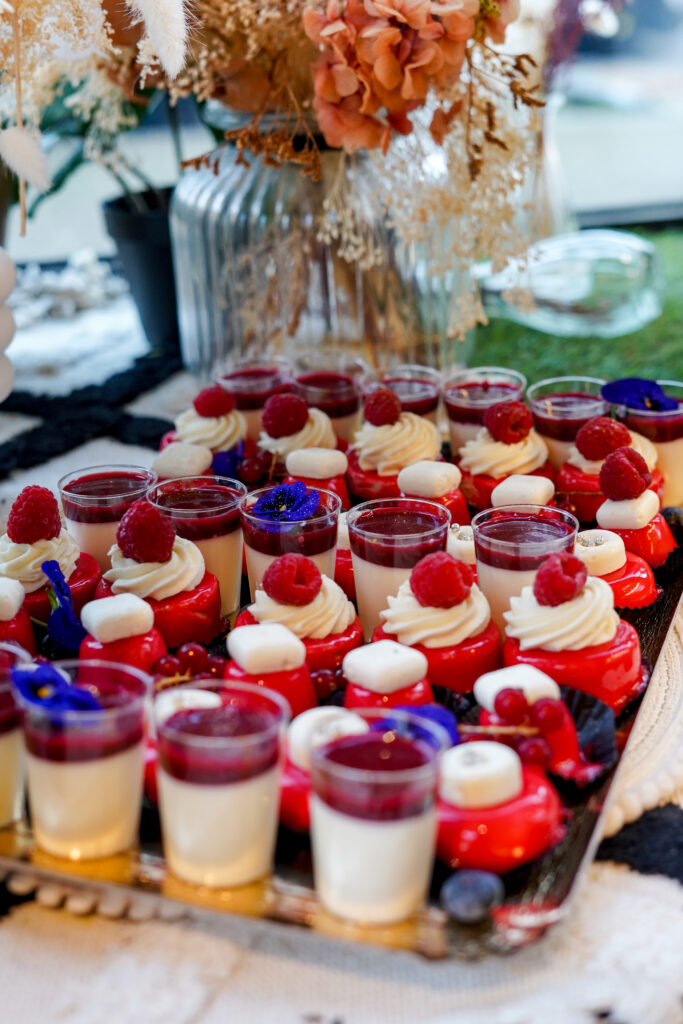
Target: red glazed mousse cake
{"type": "Point", "coordinates": [121, 629]}
{"type": "Point", "coordinates": [35, 535]}
{"type": "Point", "coordinates": [150, 561]}
{"type": "Point", "coordinates": [631, 507]}
{"type": "Point", "coordinates": [442, 613]}
{"type": "Point", "coordinates": [566, 626]}
{"type": "Point", "coordinates": [388, 441]}
{"type": "Point", "coordinates": [507, 444]}
{"type": "Point", "coordinates": [438, 481]}
{"type": "Point", "coordinates": [386, 674]}
{"type": "Point", "coordinates": [468, 394]}
{"type": "Point", "coordinates": [629, 576]}
{"type": "Point", "coordinates": [578, 480]}
{"type": "Point", "coordinates": [270, 655]}
{"type": "Point", "coordinates": [296, 594]}
{"type": "Point", "coordinates": [15, 622]}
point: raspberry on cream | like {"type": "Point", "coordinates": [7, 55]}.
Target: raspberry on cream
{"type": "Point", "coordinates": [639, 443]}
{"type": "Point", "coordinates": [330, 612]}
{"type": "Point", "coordinates": [389, 448]}
{"type": "Point", "coordinates": [485, 456]}
{"type": "Point", "coordinates": [587, 620]}
{"type": "Point", "coordinates": [413, 623]}
{"type": "Point", "coordinates": [183, 571]}
{"type": "Point", "coordinates": [317, 432]}
{"type": "Point", "coordinates": [23, 562]}
{"type": "Point", "coordinates": [219, 433]}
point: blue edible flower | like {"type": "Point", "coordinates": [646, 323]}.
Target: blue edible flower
{"type": "Point", "coordinates": [638, 393]}
{"type": "Point", "coordinates": [287, 503]}
{"type": "Point", "coordinates": [63, 625]}
{"type": "Point", "coordinates": [431, 712]}
{"type": "Point", "coordinates": [45, 685]}
{"type": "Point", "coordinates": [226, 463]}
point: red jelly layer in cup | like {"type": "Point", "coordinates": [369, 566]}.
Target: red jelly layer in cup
{"type": "Point", "coordinates": [336, 394]}
{"type": "Point", "coordinates": [468, 401]}
{"type": "Point", "coordinates": [409, 793]}
{"type": "Point", "coordinates": [191, 742]}
{"type": "Point", "coordinates": [382, 527]}
{"type": "Point", "coordinates": [215, 505]}
{"type": "Point", "coordinates": [659, 427]}
{"type": "Point", "coordinates": [418, 396]}
{"type": "Point", "coordinates": [253, 386]}
{"type": "Point", "coordinates": [522, 528]}
{"type": "Point", "coordinates": [560, 416]}
{"type": "Point", "coordinates": [102, 497]}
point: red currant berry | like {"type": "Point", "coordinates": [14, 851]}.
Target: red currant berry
{"type": "Point", "coordinates": [215, 665]}
{"type": "Point", "coordinates": [250, 471]}
{"type": "Point", "coordinates": [168, 665]}
{"type": "Point", "coordinates": [325, 683]}
{"type": "Point", "coordinates": [534, 750]}
{"type": "Point", "coordinates": [511, 706]}
{"type": "Point", "coordinates": [193, 657]}
{"type": "Point", "coordinates": [547, 714]}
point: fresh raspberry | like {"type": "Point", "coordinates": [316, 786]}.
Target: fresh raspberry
{"type": "Point", "coordinates": [214, 402]}
{"type": "Point", "coordinates": [144, 535]}
{"type": "Point", "coordinates": [284, 415]}
{"type": "Point", "coordinates": [624, 474]}
{"type": "Point", "coordinates": [382, 408]}
{"type": "Point", "coordinates": [440, 580]}
{"type": "Point", "coordinates": [34, 516]}
{"type": "Point", "coordinates": [600, 436]}
{"type": "Point", "coordinates": [560, 578]}
{"type": "Point", "coordinates": [508, 422]}
{"type": "Point", "coordinates": [292, 579]}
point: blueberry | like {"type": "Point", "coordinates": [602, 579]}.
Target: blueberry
{"type": "Point", "coordinates": [470, 896]}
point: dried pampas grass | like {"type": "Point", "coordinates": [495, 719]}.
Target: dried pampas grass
{"type": "Point", "coordinates": [166, 26]}
{"type": "Point", "coordinates": [24, 156]}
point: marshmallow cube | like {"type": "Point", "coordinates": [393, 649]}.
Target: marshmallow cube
{"type": "Point", "coordinates": [11, 598]}
{"type": "Point", "coordinates": [629, 514]}
{"type": "Point", "coordinates": [427, 479]}
{"type": "Point", "coordinates": [316, 463]}
{"type": "Point", "coordinates": [181, 459]}
{"type": "Point", "coordinates": [117, 617]}
{"type": "Point", "coordinates": [519, 489]}
{"type": "Point", "coordinates": [481, 774]}
{"type": "Point", "coordinates": [385, 666]}
{"type": "Point", "coordinates": [266, 647]}
{"type": "Point", "coordinates": [533, 683]}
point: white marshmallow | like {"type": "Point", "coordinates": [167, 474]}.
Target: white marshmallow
{"type": "Point", "coordinates": [7, 327]}
{"type": "Point", "coordinates": [427, 479]}
{"type": "Point", "coordinates": [8, 275]}
{"type": "Point", "coordinates": [520, 489]}
{"type": "Point", "coordinates": [629, 514]}
{"type": "Point", "coordinates": [480, 774]}
{"type": "Point", "coordinates": [460, 544]}
{"type": "Point", "coordinates": [181, 459]}
{"type": "Point", "coordinates": [11, 598]}
{"type": "Point", "coordinates": [318, 726]}
{"type": "Point", "coordinates": [385, 666]}
{"type": "Point", "coordinates": [533, 683]}
{"type": "Point", "coordinates": [601, 551]}
{"type": "Point", "coordinates": [183, 698]}
{"type": "Point", "coordinates": [117, 617]}
{"type": "Point", "coordinates": [316, 463]}
{"type": "Point", "coordinates": [343, 543]}
{"type": "Point", "coordinates": [266, 647]}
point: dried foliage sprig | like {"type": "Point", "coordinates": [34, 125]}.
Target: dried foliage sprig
{"type": "Point", "coordinates": [166, 31]}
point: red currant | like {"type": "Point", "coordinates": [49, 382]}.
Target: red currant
{"type": "Point", "coordinates": [325, 682]}
{"type": "Point", "coordinates": [250, 471]}
{"type": "Point", "coordinates": [193, 657]}
{"type": "Point", "coordinates": [547, 714]}
{"type": "Point", "coordinates": [534, 750]}
{"type": "Point", "coordinates": [167, 665]}
{"type": "Point", "coordinates": [511, 706]}
{"type": "Point", "coordinates": [215, 665]}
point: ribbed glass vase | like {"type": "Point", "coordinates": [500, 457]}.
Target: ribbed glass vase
{"type": "Point", "coordinates": [255, 277]}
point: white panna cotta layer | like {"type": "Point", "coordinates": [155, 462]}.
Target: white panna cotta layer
{"type": "Point", "coordinates": [86, 809]}
{"type": "Point", "coordinates": [346, 426]}
{"type": "Point", "coordinates": [670, 462]}
{"type": "Point", "coordinates": [374, 584]}
{"type": "Point", "coordinates": [219, 835]}
{"type": "Point", "coordinates": [94, 539]}
{"type": "Point", "coordinates": [558, 451]}
{"type": "Point", "coordinates": [461, 433]}
{"type": "Point", "coordinates": [499, 585]}
{"type": "Point", "coordinates": [258, 562]}
{"type": "Point", "coordinates": [375, 872]}
{"type": "Point", "coordinates": [223, 557]}
{"type": "Point", "coordinates": [12, 768]}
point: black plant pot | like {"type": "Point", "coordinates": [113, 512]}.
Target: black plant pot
{"type": "Point", "coordinates": [143, 242]}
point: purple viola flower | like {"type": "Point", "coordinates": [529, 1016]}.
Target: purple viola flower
{"type": "Point", "coordinates": [226, 463]}
{"type": "Point", "coordinates": [638, 393]}
{"type": "Point", "coordinates": [46, 686]}
{"type": "Point", "coordinates": [435, 713]}
{"type": "Point", "coordinates": [287, 503]}
{"type": "Point", "coordinates": [63, 624]}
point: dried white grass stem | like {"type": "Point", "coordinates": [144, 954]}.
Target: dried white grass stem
{"type": "Point", "coordinates": [166, 26]}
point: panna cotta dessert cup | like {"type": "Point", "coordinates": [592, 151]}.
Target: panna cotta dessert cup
{"type": "Point", "coordinates": [251, 382]}
{"type": "Point", "coordinates": [84, 757]}
{"type": "Point", "coordinates": [373, 817]}
{"type": "Point", "coordinates": [560, 406]}
{"type": "Point", "coordinates": [664, 427]}
{"type": "Point", "coordinates": [335, 393]}
{"type": "Point", "coordinates": [94, 501]}
{"type": "Point", "coordinates": [218, 777]}
{"type": "Point", "coordinates": [266, 538]}
{"type": "Point", "coordinates": [12, 761]}
{"type": "Point", "coordinates": [468, 393]}
{"type": "Point", "coordinates": [417, 387]}
{"type": "Point", "coordinates": [388, 537]}
{"type": "Point", "coordinates": [205, 510]}
{"type": "Point", "coordinates": [511, 542]}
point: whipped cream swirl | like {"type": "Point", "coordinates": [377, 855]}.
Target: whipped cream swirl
{"type": "Point", "coordinates": [158, 580]}
{"type": "Point", "coordinates": [22, 562]}
{"type": "Point", "coordinates": [588, 620]}
{"type": "Point", "coordinates": [641, 444]}
{"type": "Point", "coordinates": [329, 613]}
{"type": "Point", "coordinates": [317, 432]}
{"type": "Point", "coordinates": [483, 455]}
{"type": "Point", "coordinates": [219, 433]}
{"type": "Point", "coordinates": [412, 623]}
{"type": "Point", "coordinates": [389, 448]}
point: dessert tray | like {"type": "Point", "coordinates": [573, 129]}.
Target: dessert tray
{"type": "Point", "coordinates": [538, 896]}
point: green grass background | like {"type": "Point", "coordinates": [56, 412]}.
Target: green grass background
{"type": "Point", "coordinates": [654, 351]}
